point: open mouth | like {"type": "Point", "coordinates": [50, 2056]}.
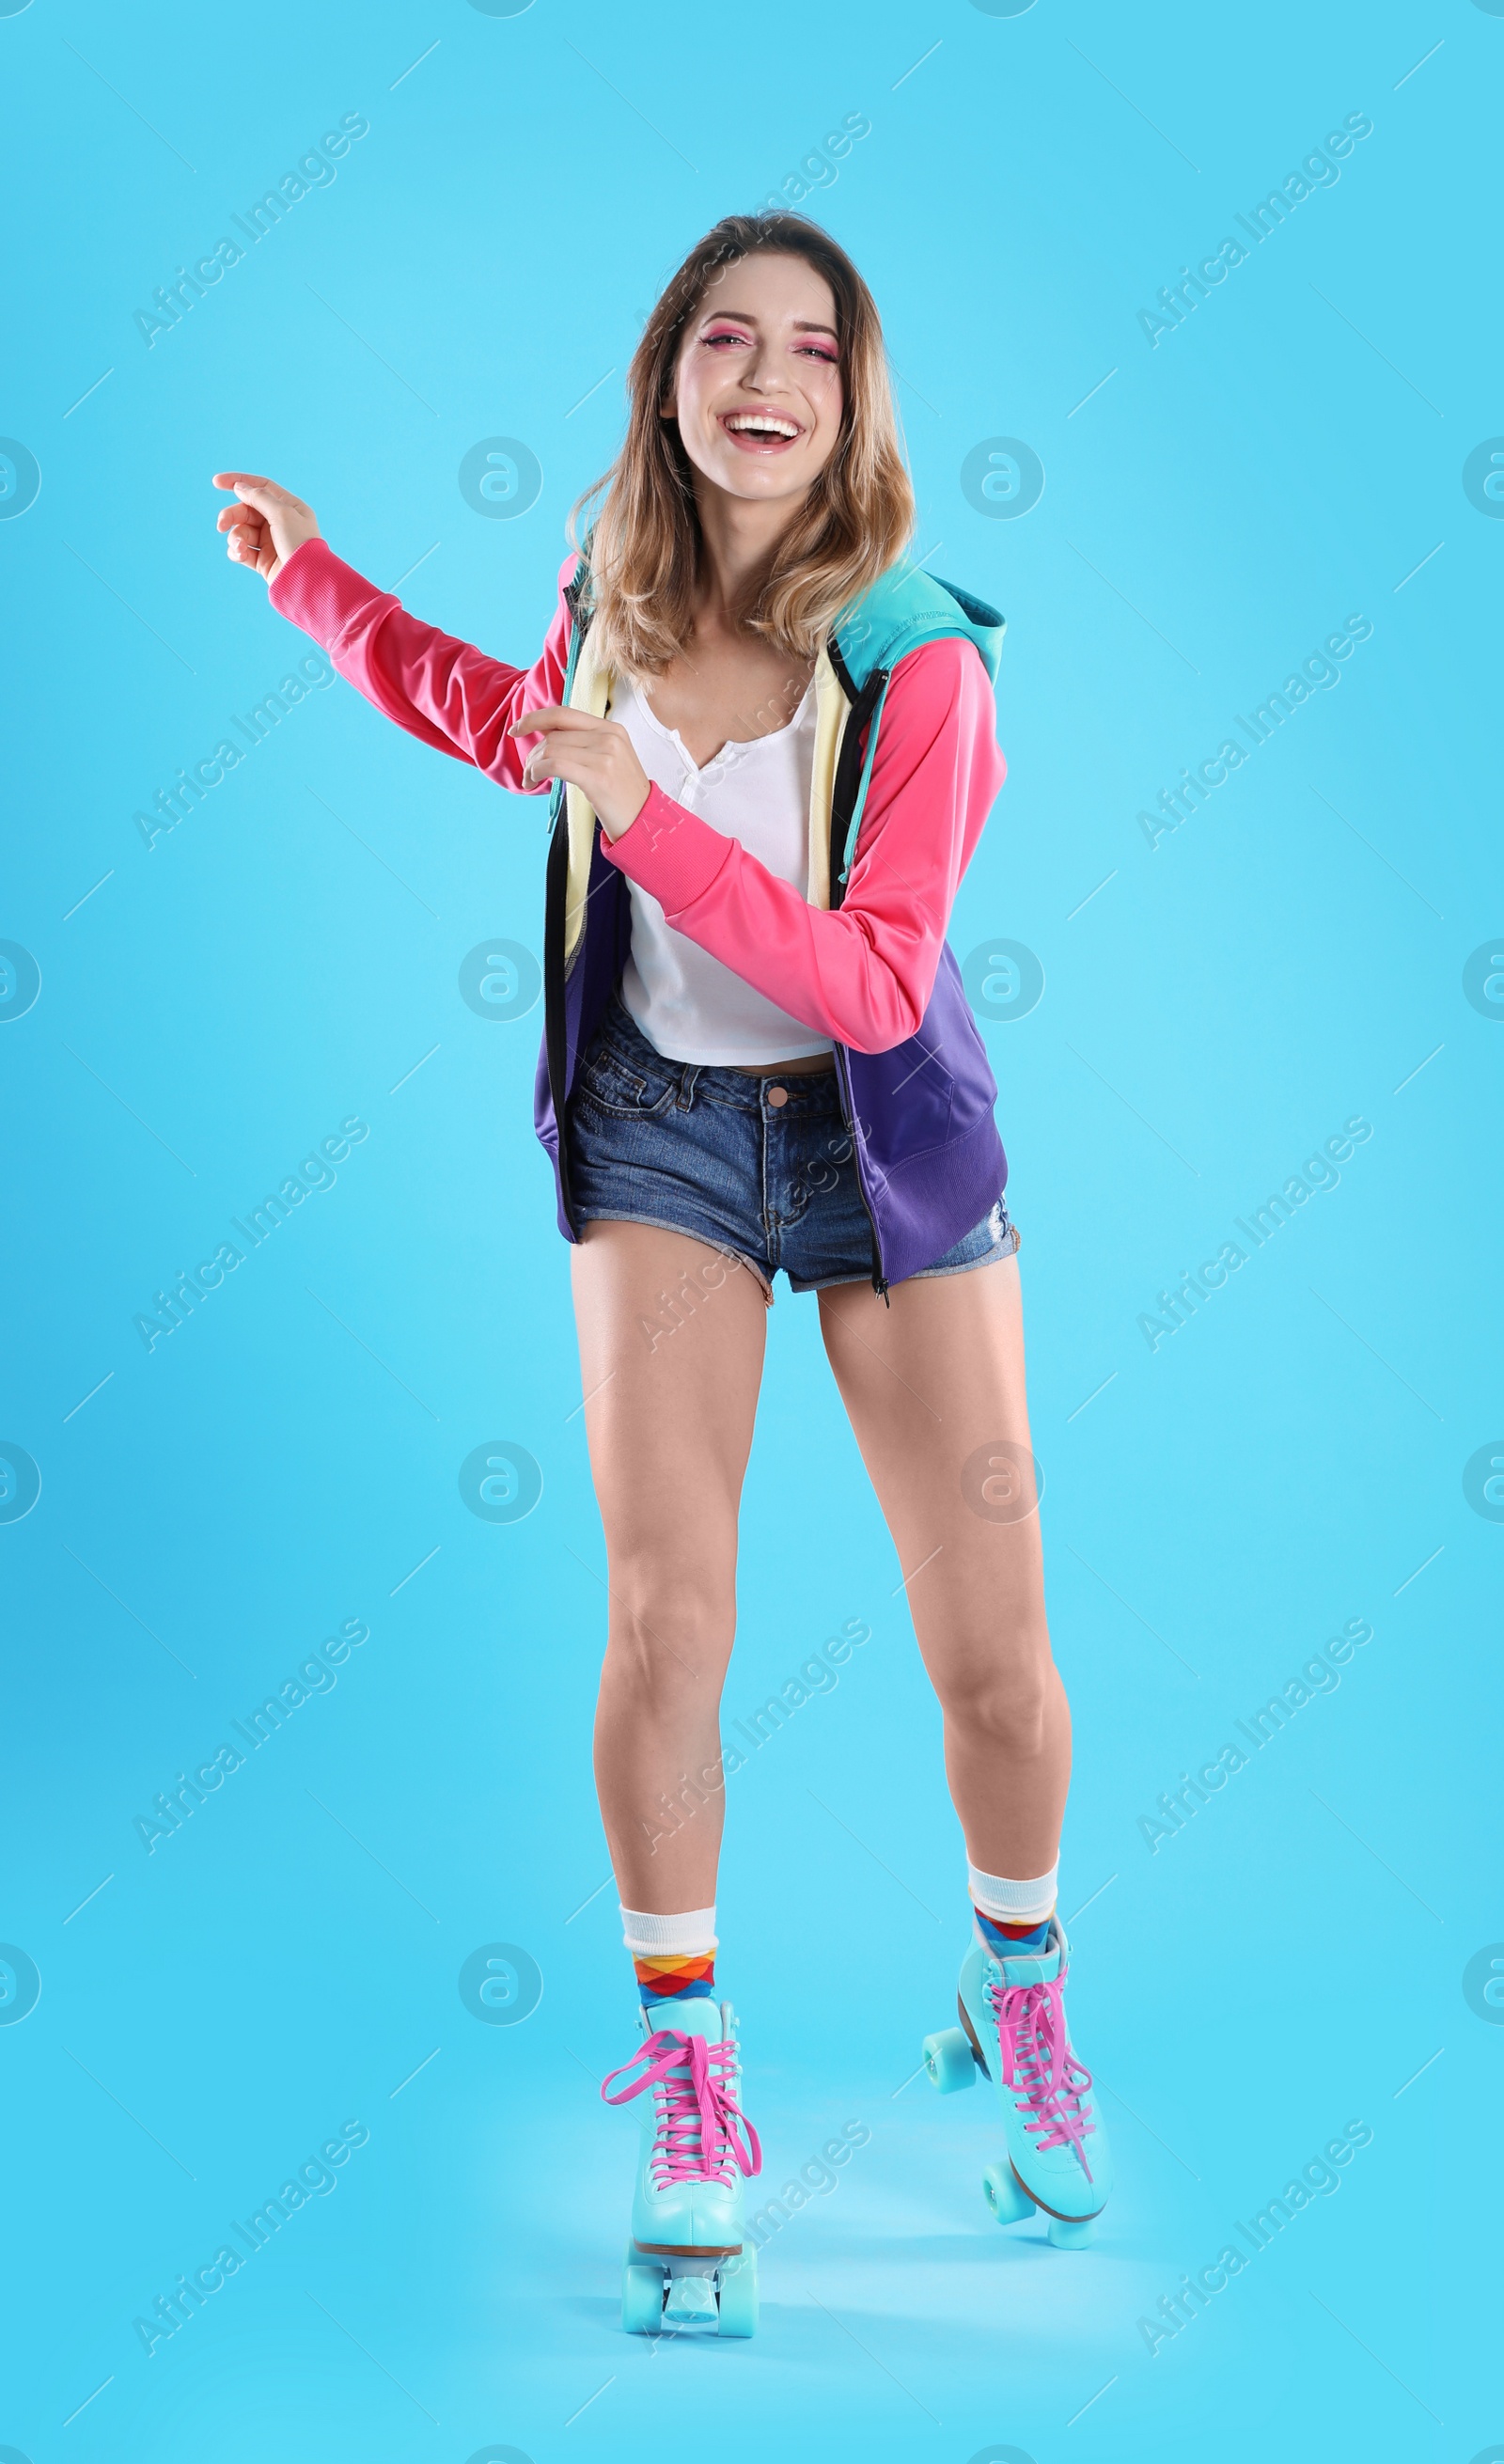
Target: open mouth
{"type": "Point", "coordinates": [760, 432]}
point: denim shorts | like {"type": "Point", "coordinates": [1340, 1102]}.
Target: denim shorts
{"type": "Point", "coordinates": [706, 1151]}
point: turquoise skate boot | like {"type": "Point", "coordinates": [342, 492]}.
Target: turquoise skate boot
{"type": "Point", "coordinates": [1013, 2030]}
{"type": "Point", "coordinates": [688, 2263]}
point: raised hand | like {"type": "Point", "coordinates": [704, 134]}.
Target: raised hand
{"type": "Point", "coordinates": [266, 524]}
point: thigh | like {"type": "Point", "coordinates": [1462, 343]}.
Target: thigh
{"type": "Point", "coordinates": [672, 1333]}
{"type": "Point", "coordinates": [935, 1389]}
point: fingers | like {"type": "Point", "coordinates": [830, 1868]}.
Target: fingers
{"type": "Point", "coordinates": [247, 531]}
{"type": "Point", "coordinates": [599, 760]}
{"type": "Point", "coordinates": [555, 762]}
{"type": "Point", "coordinates": [254, 488]}
{"type": "Point", "coordinates": [568, 759]}
{"type": "Point", "coordinates": [574, 745]}
{"type": "Point", "coordinates": [252, 544]}
{"type": "Point", "coordinates": [244, 481]}
{"type": "Point", "coordinates": [248, 487]}
{"type": "Point", "coordinates": [544, 722]}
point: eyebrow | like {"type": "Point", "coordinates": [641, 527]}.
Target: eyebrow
{"type": "Point", "coordinates": [742, 316]}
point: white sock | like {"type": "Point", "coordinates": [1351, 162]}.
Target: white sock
{"type": "Point", "coordinates": [1013, 1902]}
{"type": "Point", "coordinates": [675, 1937]}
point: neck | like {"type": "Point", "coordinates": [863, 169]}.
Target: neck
{"type": "Point", "coordinates": [741, 541]}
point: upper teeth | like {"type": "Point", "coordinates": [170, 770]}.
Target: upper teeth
{"type": "Point", "coordinates": [762, 422]}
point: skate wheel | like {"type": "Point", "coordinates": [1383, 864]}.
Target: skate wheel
{"type": "Point", "coordinates": [1071, 2233]}
{"type": "Point", "coordinates": [949, 2061]}
{"type": "Point", "coordinates": [641, 2300]}
{"type": "Point", "coordinates": [690, 2302]}
{"type": "Point", "coordinates": [739, 2313]}
{"type": "Point", "coordinates": [1009, 2201]}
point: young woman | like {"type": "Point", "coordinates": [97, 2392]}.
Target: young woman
{"type": "Point", "coordinates": [771, 743]}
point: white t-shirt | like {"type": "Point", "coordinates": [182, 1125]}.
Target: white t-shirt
{"type": "Point", "coordinates": [689, 1004]}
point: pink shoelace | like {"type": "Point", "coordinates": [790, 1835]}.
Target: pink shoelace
{"type": "Point", "coordinates": [700, 2124]}
{"type": "Point", "coordinates": [1039, 2066]}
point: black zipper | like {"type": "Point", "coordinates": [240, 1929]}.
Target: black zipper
{"type": "Point", "coordinates": [844, 796]}
{"type": "Point", "coordinates": [848, 771]}
{"type": "Point", "coordinates": [556, 878]}
{"type": "Point", "coordinates": [555, 894]}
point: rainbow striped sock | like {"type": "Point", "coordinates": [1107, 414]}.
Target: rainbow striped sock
{"type": "Point", "coordinates": [667, 1976]}
{"type": "Point", "coordinates": [1005, 1941]}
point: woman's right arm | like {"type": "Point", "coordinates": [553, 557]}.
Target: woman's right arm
{"type": "Point", "coordinates": [440, 690]}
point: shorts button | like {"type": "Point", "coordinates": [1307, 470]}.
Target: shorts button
{"type": "Point", "coordinates": [777, 1095]}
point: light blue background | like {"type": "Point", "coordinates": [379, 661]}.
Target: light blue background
{"type": "Point", "coordinates": [1286, 1460]}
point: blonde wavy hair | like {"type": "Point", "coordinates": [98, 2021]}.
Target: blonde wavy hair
{"type": "Point", "coordinates": [643, 545]}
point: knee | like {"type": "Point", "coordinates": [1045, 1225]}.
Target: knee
{"type": "Point", "coordinates": [671, 1625]}
{"type": "Point", "coordinates": [1002, 1701]}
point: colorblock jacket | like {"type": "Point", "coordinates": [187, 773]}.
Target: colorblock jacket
{"type": "Point", "coordinates": [906, 770]}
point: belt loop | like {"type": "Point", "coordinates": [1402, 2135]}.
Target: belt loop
{"type": "Point", "coordinates": [690, 1072]}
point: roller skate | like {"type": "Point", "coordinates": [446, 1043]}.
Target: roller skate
{"type": "Point", "coordinates": [1013, 2030]}
{"type": "Point", "coordinates": [688, 2262]}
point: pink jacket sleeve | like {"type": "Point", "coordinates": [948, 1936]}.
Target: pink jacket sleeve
{"type": "Point", "coordinates": [442, 691]}
{"type": "Point", "coordinates": [862, 972]}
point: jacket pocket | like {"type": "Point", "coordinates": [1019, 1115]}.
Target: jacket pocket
{"type": "Point", "coordinates": [922, 1094]}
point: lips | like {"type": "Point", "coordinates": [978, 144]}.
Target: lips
{"type": "Point", "coordinates": [758, 432]}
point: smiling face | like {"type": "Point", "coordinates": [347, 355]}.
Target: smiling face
{"type": "Point", "coordinates": [757, 388]}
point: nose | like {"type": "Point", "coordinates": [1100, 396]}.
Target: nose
{"type": "Point", "coordinates": [759, 369]}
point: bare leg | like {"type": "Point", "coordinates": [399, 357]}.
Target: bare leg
{"type": "Point", "coordinates": [671, 1398]}
{"type": "Point", "coordinates": [930, 1383]}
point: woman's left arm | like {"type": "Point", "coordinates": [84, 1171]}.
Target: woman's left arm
{"type": "Point", "coordinates": [862, 972]}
